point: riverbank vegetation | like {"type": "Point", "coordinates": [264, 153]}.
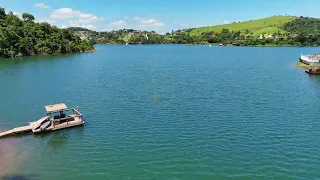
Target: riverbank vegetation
{"type": "Point", "coordinates": [25, 37]}
{"type": "Point", "coordinates": [271, 31]}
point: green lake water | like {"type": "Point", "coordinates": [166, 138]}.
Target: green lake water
{"type": "Point", "coordinates": [164, 112]}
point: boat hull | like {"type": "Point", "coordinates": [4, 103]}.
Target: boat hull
{"type": "Point", "coordinates": [312, 72]}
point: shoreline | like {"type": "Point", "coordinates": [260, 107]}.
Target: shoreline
{"type": "Point", "coordinates": [46, 54]}
{"type": "Point", "coordinates": [207, 44]}
{"type": "Point", "coordinates": [85, 51]}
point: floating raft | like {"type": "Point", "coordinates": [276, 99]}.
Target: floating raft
{"type": "Point", "coordinates": [17, 130]}
{"type": "Point", "coordinates": [47, 123]}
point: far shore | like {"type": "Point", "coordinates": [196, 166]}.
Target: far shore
{"type": "Point", "coordinates": [212, 44]}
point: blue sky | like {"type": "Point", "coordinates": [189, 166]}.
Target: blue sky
{"type": "Point", "coordinates": [159, 15]}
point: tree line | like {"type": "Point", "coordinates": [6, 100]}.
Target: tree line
{"type": "Point", "coordinates": [25, 37]}
{"type": "Point", "coordinates": [303, 31]}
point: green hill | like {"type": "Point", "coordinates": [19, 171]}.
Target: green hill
{"type": "Point", "coordinates": [268, 25]}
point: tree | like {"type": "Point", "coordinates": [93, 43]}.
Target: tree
{"type": "Point", "coordinates": [225, 31]}
{"type": "Point", "coordinates": [28, 17]}
{"type": "Point", "coordinates": [23, 37]}
{"type": "Point", "coordinates": [2, 13]}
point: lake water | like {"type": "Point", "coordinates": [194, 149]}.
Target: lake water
{"type": "Point", "coordinates": [164, 112]}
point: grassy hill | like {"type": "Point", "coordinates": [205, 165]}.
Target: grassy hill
{"type": "Point", "coordinates": [268, 25]}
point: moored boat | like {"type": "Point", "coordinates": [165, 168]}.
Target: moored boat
{"type": "Point", "coordinates": [58, 117]}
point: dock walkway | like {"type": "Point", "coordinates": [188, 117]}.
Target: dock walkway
{"type": "Point", "coordinates": [16, 130]}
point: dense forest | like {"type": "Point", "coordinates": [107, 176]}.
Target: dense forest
{"type": "Point", "coordinates": [24, 37]}
{"type": "Point", "coordinates": [302, 31]}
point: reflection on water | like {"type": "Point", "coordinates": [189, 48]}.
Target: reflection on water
{"type": "Point", "coordinates": [57, 139]}
{"type": "Point", "coordinates": [315, 78]}
{"type": "Point", "coordinates": [6, 156]}
{"type": "Point", "coordinates": [18, 177]}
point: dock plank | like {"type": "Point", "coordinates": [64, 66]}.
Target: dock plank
{"type": "Point", "coordinates": [16, 130]}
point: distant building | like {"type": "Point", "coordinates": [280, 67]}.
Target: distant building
{"type": "Point", "coordinates": [265, 36]}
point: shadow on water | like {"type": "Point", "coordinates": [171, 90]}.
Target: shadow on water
{"type": "Point", "coordinates": [13, 62]}
{"type": "Point", "coordinates": [315, 78]}
{"type": "Point", "coordinates": [38, 57]}
{"type": "Point", "coordinates": [57, 139]}
{"type": "Point", "coordinates": [18, 177]}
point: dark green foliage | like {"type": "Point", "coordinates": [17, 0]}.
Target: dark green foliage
{"type": "Point", "coordinates": [27, 17]}
{"type": "Point", "coordinates": [2, 13]}
{"type": "Point", "coordinates": [303, 25]}
{"type": "Point", "coordinates": [72, 29]}
{"type": "Point", "coordinates": [24, 37]}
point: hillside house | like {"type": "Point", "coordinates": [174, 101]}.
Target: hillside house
{"type": "Point", "coordinates": [265, 36]}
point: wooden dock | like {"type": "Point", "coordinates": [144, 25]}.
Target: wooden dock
{"type": "Point", "coordinates": [17, 130]}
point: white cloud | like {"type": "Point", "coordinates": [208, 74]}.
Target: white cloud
{"type": "Point", "coordinates": [63, 13]}
{"type": "Point", "coordinates": [67, 17]}
{"type": "Point", "coordinates": [157, 24]}
{"type": "Point", "coordinates": [176, 22]}
{"type": "Point", "coordinates": [226, 22]}
{"type": "Point", "coordinates": [149, 21]}
{"type": "Point", "coordinates": [89, 26]}
{"type": "Point", "coordinates": [118, 23]}
{"type": "Point", "coordinates": [73, 23]}
{"type": "Point", "coordinates": [41, 5]}
{"type": "Point", "coordinates": [19, 14]}
{"type": "Point", "coordinates": [137, 18]}
{"type": "Point", "coordinates": [125, 18]}
{"type": "Point", "coordinates": [144, 22]}
{"type": "Point", "coordinates": [76, 16]}
{"type": "Point", "coordinates": [63, 26]}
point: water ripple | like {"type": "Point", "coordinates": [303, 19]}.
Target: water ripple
{"type": "Point", "coordinates": [240, 118]}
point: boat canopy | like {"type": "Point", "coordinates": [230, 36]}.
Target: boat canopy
{"type": "Point", "coordinates": [55, 107]}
